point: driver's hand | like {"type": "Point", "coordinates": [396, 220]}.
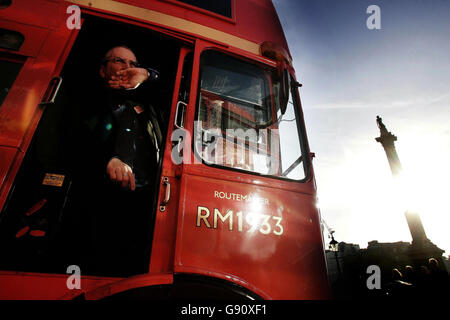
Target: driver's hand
{"type": "Point", "coordinates": [129, 78]}
{"type": "Point", "coordinates": [120, 172]}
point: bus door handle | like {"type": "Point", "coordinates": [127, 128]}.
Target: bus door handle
{"type": "Point", "coordinates": [180, 125]}
{"type": "Point", "coordinates": [162, 206]}
{"type": "Point", "coordinates": [52, 90]}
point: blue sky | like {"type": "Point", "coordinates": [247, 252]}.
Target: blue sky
{"type": "Point", "coordinates": [351, 74]}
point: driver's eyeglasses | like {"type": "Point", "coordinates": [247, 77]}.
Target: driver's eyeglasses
{"type": "Point", "coordinates": [123, 62]}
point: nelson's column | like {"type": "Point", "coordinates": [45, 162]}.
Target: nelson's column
{"type": "Point", "coordinates": [421, 248]}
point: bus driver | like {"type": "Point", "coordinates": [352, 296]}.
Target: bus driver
{"type": "Point", "coordinates": [122, 139]}
{"type": "Point", "coordinates": [121, 71]}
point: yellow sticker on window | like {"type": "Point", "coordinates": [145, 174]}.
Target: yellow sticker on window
{"type": "Point", "coordinates": [52, 179]}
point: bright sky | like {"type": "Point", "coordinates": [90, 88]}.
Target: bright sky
{"type": "Point", "coordinates": [351, 74]}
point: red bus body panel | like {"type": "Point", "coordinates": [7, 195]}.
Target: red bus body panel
{"type": "Point", "coordinates": [264, 260]}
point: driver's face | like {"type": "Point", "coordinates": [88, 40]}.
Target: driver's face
{"type": "Point", "coordinates": [118, 59]}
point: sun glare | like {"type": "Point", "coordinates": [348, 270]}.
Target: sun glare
{"type": "Point", "coordinates": [425, 182]}
{"type": "Point", "coordinates": [373, 204]}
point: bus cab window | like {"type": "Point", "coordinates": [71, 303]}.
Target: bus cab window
{"type": "Point", "coordinates": [5, 4]}
{"type": "Point", "coordinates": [220, 7]}
{"type": "Point", "coordinates": [11, 69]}
{"type": "Point", "coordinates": [240, 124]}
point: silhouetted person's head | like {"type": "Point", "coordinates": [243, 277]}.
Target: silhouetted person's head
{"type": "Point", "coordinates": [396, 274]}
{"type": "Point", "coordinates": [433, 264]}
{"type": "Point", "coordinates": [409, 271]}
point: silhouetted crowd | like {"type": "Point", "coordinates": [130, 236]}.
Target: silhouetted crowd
{"type": "Point", "coordinates": [430, 282]}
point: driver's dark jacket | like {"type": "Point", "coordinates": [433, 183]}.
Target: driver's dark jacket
{"type": "Point", "coordinates": [117, 126]}
{"type": "Point", "coordinates": [110, 225]}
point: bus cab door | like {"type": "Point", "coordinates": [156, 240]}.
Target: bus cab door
{"type": "Point", "coordinates": [163, 247]}
{"type": "Point", "coordinates": [228, 225]}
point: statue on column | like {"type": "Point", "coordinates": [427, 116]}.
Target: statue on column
{"type": "Point", "coordinates": [387, 140]}
{"type": "Point", "coordinates": [381, 126]}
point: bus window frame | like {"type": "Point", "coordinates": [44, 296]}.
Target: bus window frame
{"type": "Point", "coordinates": [207, 12]}
{"type": "Point", "coordinates": [14, 58]}
{"type": "Point", "coordinates": [34, 38]}
{"type": "Point", "coordinates": [172, 33]}
{"type": "Point", "coordinates": [267, 64]}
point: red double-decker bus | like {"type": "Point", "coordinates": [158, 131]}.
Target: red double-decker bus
{"type": "Point", "coordinates": [232, 210]}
